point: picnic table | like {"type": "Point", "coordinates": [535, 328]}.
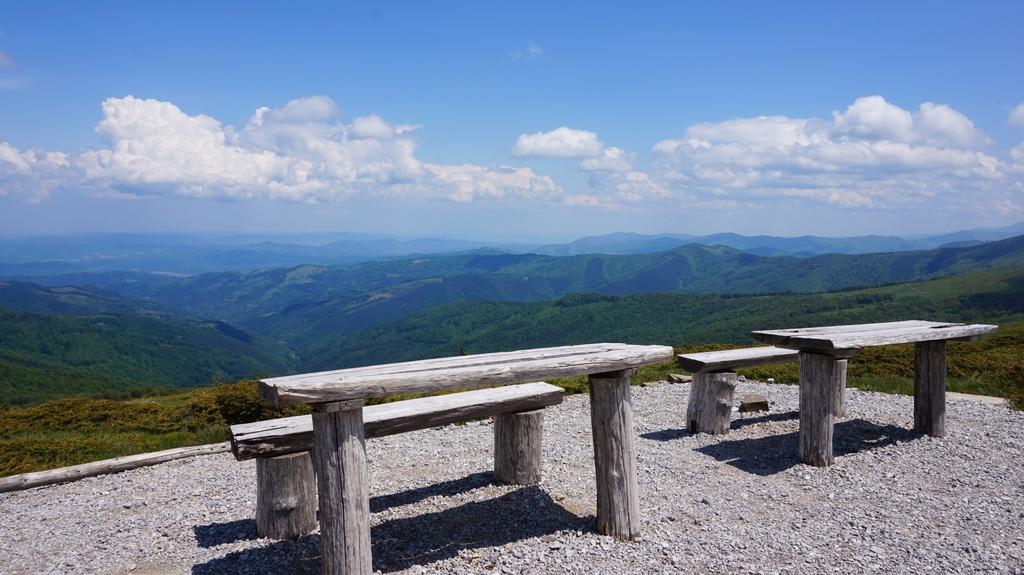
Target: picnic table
{"type": "Point", "coordinates": [339, 451]}
{"type": "Point", "coordinates": [822, 347]}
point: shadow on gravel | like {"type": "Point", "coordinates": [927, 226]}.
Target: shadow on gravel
{"type": "Point", "coordinates": [421, 539]}
{"type": "Point", "coordinates": [445, 488]}
{"type": "Point", "coordinates": [216, 534]}
{"type": "Point", "coordinates": [524, 513]}
{"type": "Point", "coordinates": [775, 453]}
{"type": "Point", "coordinates": [673, 434]}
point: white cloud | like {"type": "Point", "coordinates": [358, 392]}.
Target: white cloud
{"type": "Point", "coordinates": [872, 155]}
{"type": "Point", "coordinates": [302, 151]}
{"type": "Point", "coordinates": [1016, 116]}
{"type": "Point", "coordinates": [610, 160]}
{"type": "Point", "coordinates": [30, 174]}
{"type": "Point", "coordinates": [558, 143]}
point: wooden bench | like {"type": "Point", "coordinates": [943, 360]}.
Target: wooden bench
{"type": "Point", "coordinates": [714, 383]}
{"type": "Point", "coordinates": [339, 453]}
{"type": "Point", "coordinates": [285, 481]}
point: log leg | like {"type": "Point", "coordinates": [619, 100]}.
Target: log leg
{"type": "Point", "coordinates": [285, 496]}
{"type": "Point", "coordinates": [710, 405]}
{"type": "Point", "coordinates": [818, 388]}
{"type": "Point", "coordinates": [517, 447]}
{"type": "Point", "coordinates": [339, 452]}
{"type": "Point", "coordinates": [930, 388]}
{"type": "Point", "coordinates": [611, 417]}
{"type": "Point", "coordinates": [840, 400]}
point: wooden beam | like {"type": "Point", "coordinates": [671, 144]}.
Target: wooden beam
{"type": "Point", "coordinates": [343, 492]}
{"type": "Point", "coordinates": [850, 337]}
{"type": "Point", "coordinates": [818, 388]}
{"type": "Point", "coordinates": [731, 359]}
{"type": "Point", "coordinates": [517, 447]}
{"type": "Point", "coordinates": [930, 388]}
{"type": "Point", "coordinates": [486, 370]}
{"type": "Point", "coordinates": [710, 406]}
{"type": "Point", "coordinates": [611, 418]}
{"type": "Point", "coordinates": [295, 434]}
{"type": "Point", "coordinates": [115, 465]}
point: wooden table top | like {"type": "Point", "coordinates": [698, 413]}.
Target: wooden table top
{"type": "Point", "coordinates": [849, 338]}
{"type": "Point", "coordinates": [460, 372]}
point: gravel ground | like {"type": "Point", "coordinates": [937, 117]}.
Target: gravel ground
{"type": "Point", "coordinates": [894, 502]}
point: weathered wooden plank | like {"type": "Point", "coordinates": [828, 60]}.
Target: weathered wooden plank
{"type": "Point", "coordinates": [732, 359]}
{"type": "Point", "coordinates": [115, 465]}
{"type": "Point", "coordinates": [517, 447]}
{"type": "Point", "coordinates": [710, 406]}
{"type": "Point", "coordinates": [826, 330]}
{"type": "Point", "coordinates": [611, 418]}
{"type": "Point", "coordinates": [339, 454]}
{"type": "Point", "coordinates": [930, 388]}
{"type": "Point", "coordinates": [486, 370]}
{"type": "Point", "coordinates": [818, 388]}
{"type": "Point", "coordinates": [295, 434]}
{"type": "Point", "coordinates": [852, 338]}
{"type": "Point", "coordinates": [285, 496]}
{"type": "Point", "coordinates": [839, 405]}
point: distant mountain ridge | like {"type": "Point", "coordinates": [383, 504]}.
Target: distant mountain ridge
{"type": "Point", "coordinates": [302, 304]}
{"type": "Point", "coordinates": [183, 254]}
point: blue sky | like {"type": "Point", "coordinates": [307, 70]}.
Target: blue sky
{"type": "Point", "coordinates": [511, 120]}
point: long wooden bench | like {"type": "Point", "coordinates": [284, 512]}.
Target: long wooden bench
{"type": "Point", "coordinates": [286, 495]}
{"type": "Point", "coordinates": [714, 383]}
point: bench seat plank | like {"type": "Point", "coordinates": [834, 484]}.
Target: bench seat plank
{"type": "Point", "coordinates": [461, 372]}
{"type": "Point", "coordinates": [734, 358]}
{"type": "Point", "coordinates": [294, 434]}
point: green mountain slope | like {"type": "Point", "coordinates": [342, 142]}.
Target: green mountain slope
{"type": "Point", "coordinates": [478, 327]}
{"type": "Point", "coordinates": [67, 341]}
{"type": "Point", "coordinates": [301, 305]}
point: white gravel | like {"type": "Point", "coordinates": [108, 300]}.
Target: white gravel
{"type": "Point", "coordinates": [893, 502]}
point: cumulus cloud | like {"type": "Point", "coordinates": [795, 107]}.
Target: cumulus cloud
{"type": "Point", "coordinates": [1016, 116]}
{"type": "Point", "coordinates": [302, 151]}
{"type": "Point", "coordinates": [558, 143]}
{"type": "Point", "coordinates": [873, 154]}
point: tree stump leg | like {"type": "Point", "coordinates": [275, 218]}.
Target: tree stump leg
{"type": "Point", "coordinates": [840, 404]}
{"type": "Point", "coordinates": [285, 496]}
{"type": "Point", "coordinates": [710, 405]}
{"type": "Point", "coordinates": [517, 447]}
{"type": "Point", "coordinates": [930, 388]}
{"type": "Point", "coordinates": [339, 452]}
{"type": "Point", "coordinates": [818, 388]}
{"type": "Point", "coordinates": [611, 417]}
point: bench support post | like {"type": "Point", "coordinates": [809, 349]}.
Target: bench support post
{"type": "Point", "coordinates": [930, 388]}
{"type": "Point", "coordinates": [818, 388]}
{"type": "Point", "coordinates": [517, 447]}
{"type": "Point", "coordinates": [339, 451]}
{"type": "Point", "coordinates": [839, 409]}
{"type": "Point", "coordinates": [285, 496]}
{"type": "Point", "coordinates": [611, 417]}
{"type": "Point", "coordinates": [710, 405]}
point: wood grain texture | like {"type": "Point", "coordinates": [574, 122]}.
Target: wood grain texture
{"type": "Point", "coordinates": [731, 359]}
{"type": "Point", "coordinates": [285, 496]}
{"type": "Point", "coordinates": [295, 434]}
{"type": "Point", "coordinates": [115, 465]}
{"type": "Point", "coordinates": [611, 417]}
{"type": "Point", "coordinates": [818, 387]}
{"type": "Point", "coordinates": [339, 454]}
{"type": "Point", "coordinates": [709, 409]}
{"type": "Point", "coordinates": [930, 388]}
{"type": "Point", "coordinates": [517, 447]}
{"type": "Point", "coordinates": [839, 406]}
{"type": "Point", "coordinates": [826, 339]}
{"type": "Point", "coordinates": [462, 372]}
